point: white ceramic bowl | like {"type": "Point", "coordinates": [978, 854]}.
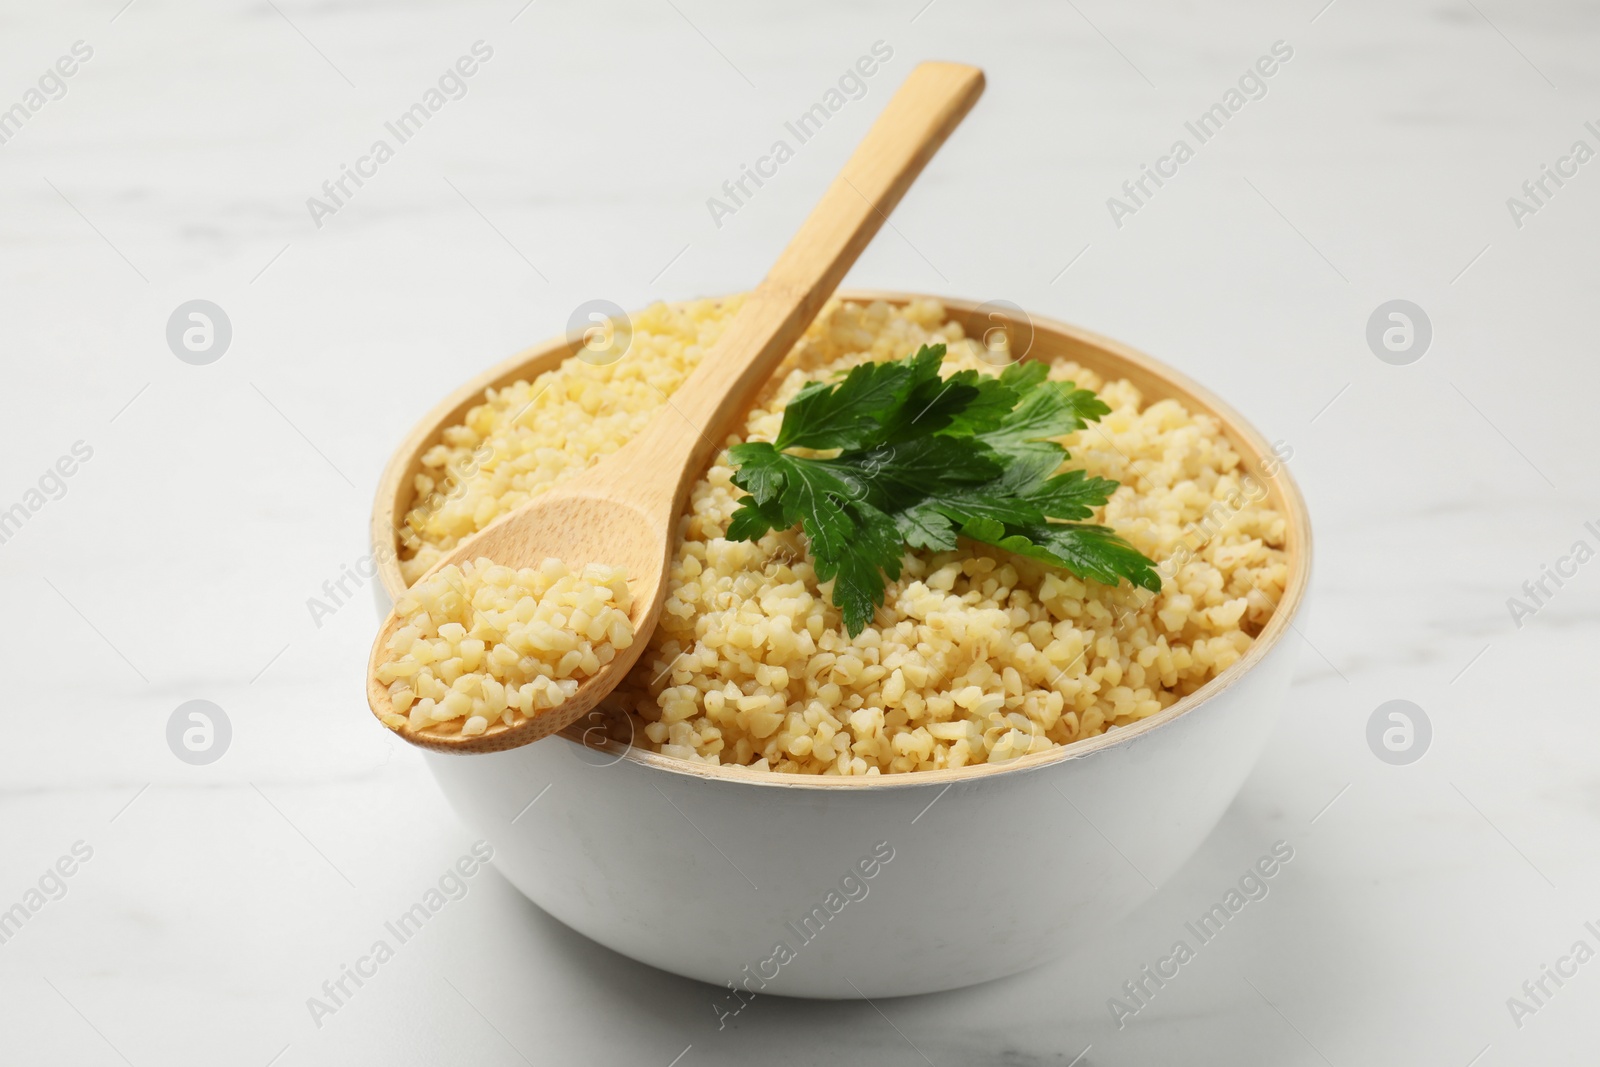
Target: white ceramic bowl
{"type": "Point", "coordinates": [880, 886]}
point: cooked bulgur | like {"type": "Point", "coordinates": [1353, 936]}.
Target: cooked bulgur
{"type": "Point", "coordinates": [482, 643]}
{"type": "Point", "coordinates": [977, 655]}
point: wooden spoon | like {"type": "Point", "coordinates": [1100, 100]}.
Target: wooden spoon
{"type": "Point", "coordinates": [624, 510]}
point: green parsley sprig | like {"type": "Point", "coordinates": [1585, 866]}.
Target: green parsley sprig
{"type": "Point", "coordinates": [916, 462]}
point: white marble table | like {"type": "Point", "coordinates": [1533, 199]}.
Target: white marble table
{"type": "Point", "coordinates": [179, 558]}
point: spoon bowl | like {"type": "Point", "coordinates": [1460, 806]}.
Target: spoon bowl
{"type": "Point", "coordinates": [578, 526]}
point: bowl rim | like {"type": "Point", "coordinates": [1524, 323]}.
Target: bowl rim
{"type": "Point", "coordinates": [1239, 432]}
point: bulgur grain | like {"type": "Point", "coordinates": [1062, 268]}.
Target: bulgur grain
{"type": "Point", "coordinates": [484, 643]}
{"type": "Point", "coordinates": [977, 655]}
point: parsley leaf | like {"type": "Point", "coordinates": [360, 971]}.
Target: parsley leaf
{"type": "Point", "coordinates": [849, 413]}
{"type": "Point", "coordinates": [1071, 495]}
{"type": "Point", "coordinates": [919, 460]}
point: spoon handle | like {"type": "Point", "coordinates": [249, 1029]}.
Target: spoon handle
{"type": "Point", "coordinates": [918, 118]}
